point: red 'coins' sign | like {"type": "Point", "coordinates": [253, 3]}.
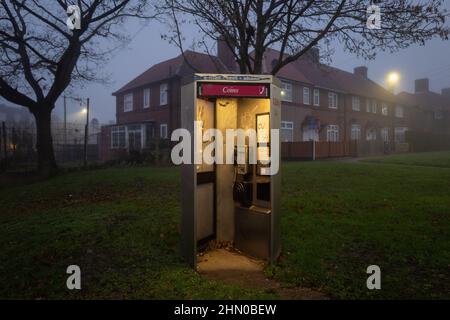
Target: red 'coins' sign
{"type": "Point", "coordinates": [229, 90]}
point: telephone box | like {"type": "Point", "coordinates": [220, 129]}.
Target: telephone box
{"type": "Point", "coordinates": [237, 202]}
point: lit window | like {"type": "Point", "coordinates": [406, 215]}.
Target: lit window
{"type": "Point", "coordinates": [356, 106]}
{"type": "Point", "coordinates": [316, 97]}
{"type": "Point", "coordinates": [332, 100]}
{"type": "Point", "coordinates": [163, 93]}
{"type": "Point", "coordinates": [306, 99]}
{"type": "Point", "coordinates": [128, 102]}
{"type": "Point", "coordinates": [332, 133]}
{"type": "Point", "coordinates": [286, 91]}
{"type": "Point", "coordinates": [147, 98]}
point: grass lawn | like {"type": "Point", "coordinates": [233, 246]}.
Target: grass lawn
{"type": "Point", "coordinates": [121, 226]}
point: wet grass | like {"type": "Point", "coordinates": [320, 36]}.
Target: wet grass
{"type": "Point", "coordinates": [121, 226]}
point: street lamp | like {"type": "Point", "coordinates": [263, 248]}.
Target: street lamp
{"type": "Point", "coordinates": [393, 79]}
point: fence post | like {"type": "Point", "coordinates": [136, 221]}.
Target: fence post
{"type": "Point", "coordinates": [314, 150]}
{"type": "Point", "coordinates": [4, 143]}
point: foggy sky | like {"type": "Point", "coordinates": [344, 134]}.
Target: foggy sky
{"type": "Point", "coordinates": [147, 48]}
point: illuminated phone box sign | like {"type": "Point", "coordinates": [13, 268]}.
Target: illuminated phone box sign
{"type": "Point", "coordinates": [229, 90]}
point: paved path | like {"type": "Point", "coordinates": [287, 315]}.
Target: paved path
{"type": "Point", "coordinates": [230, 267]}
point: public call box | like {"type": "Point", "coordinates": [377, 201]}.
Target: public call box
{"type": "Point", "coordinates": [237, 202]}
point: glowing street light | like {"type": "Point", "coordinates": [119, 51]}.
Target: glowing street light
{"type": "Point", "coordinates": [393, 79]}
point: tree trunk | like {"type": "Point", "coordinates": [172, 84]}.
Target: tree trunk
{"type": "Point", "coordinates": [44, 145]}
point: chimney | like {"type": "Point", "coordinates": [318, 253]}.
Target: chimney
{"type": "Point", "coordinates": [225, 54]}
{"type": "Point", "coordinates": [361, 71]}
{"type": "Point", "coordinates": [314, 54]}
{"type": "Point", "coordinates": [446, 93]}
{"type": "Point", "coordinates": [422, 85]}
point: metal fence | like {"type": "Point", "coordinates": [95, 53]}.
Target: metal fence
{"type": "Point", "coordinates": [18, 145]}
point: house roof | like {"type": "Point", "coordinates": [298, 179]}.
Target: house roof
{"type": "Point", "coordinates": [424, 99]}
{"type": "Point", "coordinates": [176, 67]}
{"type": "Point", "coordinates": [307, 71]}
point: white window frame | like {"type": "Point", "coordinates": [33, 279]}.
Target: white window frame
{"type": "Point", "coordinates": [384, 109]}
{"type": "Point", "coordinates": [333, 133]}
{"type": "Point", "coordinates": [306, 96]}
{"type": "Point", "coordinates": [316, 97]}
{"type": "Point", "coordinates": [288, 125]}
{"type": "Point", "coordinates": [400, 132]}
{"type": "Point", "coordinates": [163, 94]}
{"type": "Point", "coordinates": [374, 106]}
{"type": "Point", "coordinates": [146, 98]}
{"type": "Point", "coordinates": [356, 103]}
{"type": "Point", "coordinates": [161, 126]}
{"type": "Point", "coordinates": [368, 105]}
{"type": "Point", "coordinates": [438, 115]}
{"type": "Point", "coordinates": [128, 100]}
{"type": "Point", "coordinates": [399, 112]}
{"type": "Point", "coordinates": [117, 130]}
{"type": "Point", "coordinates": [286, 91]}
{"type": "Point", "coordinates": [371, 134]}
{"type": "Point", "coordinates": [332, 100]}
{"type": "Point", "coordinates": [384, 132]}
{"type": "Point", "coordinates": [356, 132]}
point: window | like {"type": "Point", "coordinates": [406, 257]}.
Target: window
{"type": "Point", "coordinates": [384, 109]}
{"type": "Point", "coordinates": [149, 134]}
{"type": "Point", "coordinates": [438, 115]}
{"type": "Point", "coordinates": [332, 100]}
{"type": "Point", "coordinates": [316, 97]}
{"type": "Point", "coordinates": [286, 91]}
{"type": "Point", "coordinates": [368, 106]}
{"type": "Point", "coordinates": [134, 134]}
{"type": "Point", "coordinates": [399, 111]}
{"type": "Point", "coordinates": [356, 104]}
{"type": "Point", "coordinates": [118, 135]}
{"type": "Point", "coordinates": [356, 132]}
{"type": "Point", "coordinates": [374, 106]}
{"type": "Point", "coordinates": [147, 98]}
{"type": "Point", "coordinates": [128, 102]}
{"type": "Point", "coordinates": [385, 134]}
{"type": "Point", "coordinates": [400, 134]}
{"type": "Point", "coordinates": [371, 134]}
{"type": "Point", "coordinates": [332, 133]}
{"type": "Point", "coordinates": [163, 93]}
{"type": "Point", "coordinates": [306, 96]}
{"type": "Point", "coordinates": [287, 131]}
{"type": "Point", "coordinates": [163, 131]}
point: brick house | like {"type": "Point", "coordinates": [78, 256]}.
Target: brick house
{"type": "Point", "coordinates": [432, 110]}
{"type": "Point", "coordinates": [320, 103]}
{"type": "Point", "coordinates": [148, 106]}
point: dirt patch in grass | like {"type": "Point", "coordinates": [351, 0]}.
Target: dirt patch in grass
{"type": "Point", "coordinates": [233, 268]}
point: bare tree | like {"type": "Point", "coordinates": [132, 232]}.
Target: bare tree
{"type": "Point", "coordinates": [250, 27]}
{"type": "Point", "coordinates": [42, 53]}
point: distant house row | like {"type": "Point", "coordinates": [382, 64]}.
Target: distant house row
{"type": "Point", "coordinates": [320, 103]}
